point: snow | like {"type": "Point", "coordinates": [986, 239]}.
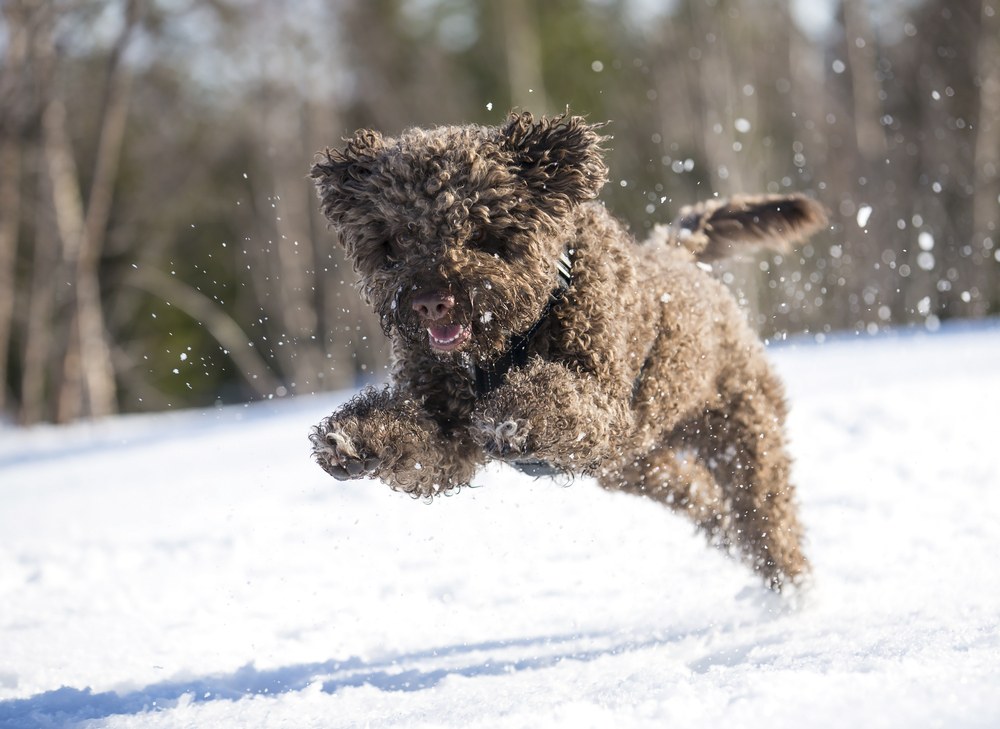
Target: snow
{"type": "Point", "coordinates": [197, 569]}
{"type": "Point", "coordinates": [864, 213]}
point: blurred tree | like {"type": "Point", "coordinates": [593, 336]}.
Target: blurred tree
{"type": "Point", "coordinates": [15, 113]}
{"type": "Point", "coordinates": [986, 160]}
{"type": "Point", "coordinates": [160, 242]}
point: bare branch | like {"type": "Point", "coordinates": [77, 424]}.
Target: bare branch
{"type": "Point", "coordinates": [235, 343]}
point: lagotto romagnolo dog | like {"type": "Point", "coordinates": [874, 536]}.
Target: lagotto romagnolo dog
{"type": "Point", "coordinates": [528, 326]}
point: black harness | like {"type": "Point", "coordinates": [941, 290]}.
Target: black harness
{"type": "Point", "coordinates": [490, 376]}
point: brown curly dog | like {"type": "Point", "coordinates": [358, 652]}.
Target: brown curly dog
{"type": "Point", "coordinates": [528, 326]}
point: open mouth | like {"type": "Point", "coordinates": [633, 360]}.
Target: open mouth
{"type": "Point", "coordinates": [447, 338]}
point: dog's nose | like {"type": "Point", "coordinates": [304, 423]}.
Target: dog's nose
{"type": "Point", "coordinates": [434, 305]}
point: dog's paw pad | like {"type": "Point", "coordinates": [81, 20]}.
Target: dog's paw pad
{"type": "Point", "coordinates": [345, 468]}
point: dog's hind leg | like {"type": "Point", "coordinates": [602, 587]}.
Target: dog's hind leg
{"type": "Point", "coordinates": [742, 446]}
{"type": "Point", "coordinates": [727, 470]}
{"type": "Point", "coordinates": [676, 477]}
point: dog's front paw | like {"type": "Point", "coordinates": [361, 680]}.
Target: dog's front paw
{"type": "Point", "coordinates": [506, 439]}
{"type": "Point", "coordinates": [337, 453]}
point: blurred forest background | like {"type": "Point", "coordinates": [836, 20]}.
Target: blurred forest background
{"type": "Point", "coordinates": [161, 246]}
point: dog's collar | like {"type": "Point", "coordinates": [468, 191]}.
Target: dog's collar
{"type": "Point", "coordinates": [488, 377]}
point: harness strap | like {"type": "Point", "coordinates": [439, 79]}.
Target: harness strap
{"type": "Point", "coordinates": [490, 376]}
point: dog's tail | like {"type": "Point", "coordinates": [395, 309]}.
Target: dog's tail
{"type": "Point", "coordinates": [716, 229]}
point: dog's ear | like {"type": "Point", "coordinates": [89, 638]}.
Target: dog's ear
{"type": "Point", "coordinates": [343, 175]}
{"type": "Point", "coordinates": [557, 156]}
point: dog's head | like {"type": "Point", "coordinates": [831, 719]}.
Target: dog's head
{"type": "Point", "coordinates": [455, 232]}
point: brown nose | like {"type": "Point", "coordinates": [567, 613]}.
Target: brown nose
{"type": "Point", "coordinates": [434, 305]}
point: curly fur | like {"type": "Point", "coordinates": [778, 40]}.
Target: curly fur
{"type": "Point", "coordinates": [643, 372]}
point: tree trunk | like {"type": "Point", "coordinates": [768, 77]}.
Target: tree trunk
{"type": "Point", "coordinates": [302, 357]}
{"type": "Point", "coordinates": [10, 216]}
{"type": "Point", "coordinates": [986, 200]}
{"type": "Point", "coordinates": [68, 208]}
{"type": "Point", "coordinates": [524, 57]}
{"type": "Point", "coordinates": [88, 385]}
{"type": "Point", "coordinates": [861, 55]}
{"type": "Point", "coordinates": [38, 353]}
{"type": "Point", "coordinates": [12, 97]}
{"type": "Point", "coordinates": [95, 351]}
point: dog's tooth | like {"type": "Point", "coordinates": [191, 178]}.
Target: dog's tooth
{"type": "Point", "coordinates": [449, 340]}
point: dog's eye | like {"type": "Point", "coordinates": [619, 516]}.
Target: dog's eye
{"type": "Point", "coordinates": [482, 240]}
{"type": "Point", "coordinates": [390, 258]}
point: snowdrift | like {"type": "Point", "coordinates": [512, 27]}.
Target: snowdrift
{"type": "Point", "coordinates": [196, 569]}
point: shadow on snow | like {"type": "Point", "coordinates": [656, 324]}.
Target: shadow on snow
{"type": "Point", "coordinates": [69, 705]}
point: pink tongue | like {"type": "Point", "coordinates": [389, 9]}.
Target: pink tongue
{"type": "Point", "coordinates": [443, 334]}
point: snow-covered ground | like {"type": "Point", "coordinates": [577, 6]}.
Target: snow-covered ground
{"type": "Point", "coordinates": [198, 570]}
